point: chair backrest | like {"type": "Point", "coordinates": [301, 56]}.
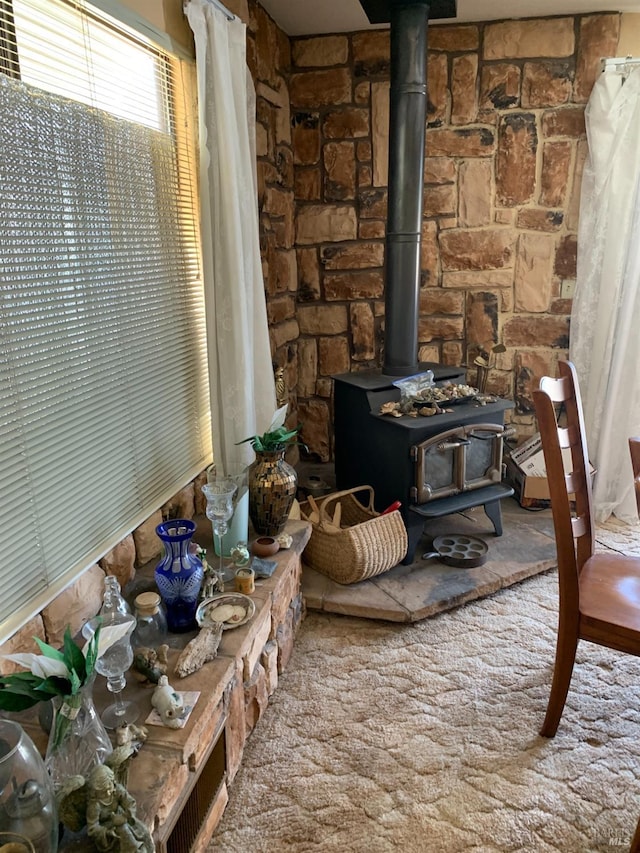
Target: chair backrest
{"type": "Point", "coordinates": [634, 449]}
{"type": "Point", "coordinates": [568, 475]}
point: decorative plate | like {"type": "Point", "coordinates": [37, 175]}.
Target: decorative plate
{"type": "Point", "coordinates": [229, 609]}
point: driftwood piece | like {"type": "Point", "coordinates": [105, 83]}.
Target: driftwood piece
{"type": "Point", "coordinates": [201, 649]}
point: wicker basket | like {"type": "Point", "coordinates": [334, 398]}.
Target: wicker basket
{"type": "Point", "coordinates": [365, 545]}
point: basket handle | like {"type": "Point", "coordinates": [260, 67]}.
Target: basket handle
{"type": "Point", "coordinates": [324, 504]}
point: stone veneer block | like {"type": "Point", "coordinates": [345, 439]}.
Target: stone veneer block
{"type": "Point", "coordinates": [442, 328]}
{"type": "Point", "coordinates": [77, 603]}
{"type": "Point", "coordinates": [333, 355]}
{"type": "Point", "coordinates": [315, 418]}
{"type": "Point", "coordinates": [539, 219]}
{"type": "Point", "coordinates": [516, 159]}
{"type": "Point", "coordinates": [307, 184]}
{"type": "Point", "coordinates": [320, 88]}
{"type": "Point", "coordinates": [362, 331]}
{"type": "Point", "coordinates": [463, 142]}
{"type": "Point", "coordinates": [500, 86]}
{"type": "Point", "coordinates": [284, 332]}
{"type": "Point", "coordinates": [478, 278]}
{"type": "Point", "coordinates": [346, 124]}
{"type": "Point", "coordinates": [429, 253]}
{"type": "Point", "coordinates": [566, 257]}
{"type": "Point", "coordinates": [521, 331]}
{"type": "Point", "coordinates": [529, 38]}
{"type": "Point", "coordinates": [474, 203]}
{"type": "Point", "coordinates": [157, 784]}
{"type": "Point", "coordinates": [352, 256]}
{"type": "Point", "coordinates": [371, 53]}
{"type": "Point", "coordinates": [464, 96]}
{"type": "Point", "coordinates": [436, 300]}
{"type": "Point", "coordinates": [339, 160]}
{"type": "Point", "coordinates": [322, 51]}
{"type": "Point", "coordinates": [307, 367]}
{"type": "Point", "coordinates": [269, 661]}
{"type": "Point", "coordinates": [556, 163]}
{"type": "Point", "coordinates": [120, 561]}
{"type": "Point", "coordinates": [22, 641]}
{"type": "Point", "coordinates": [353, 285]}
{"type": "Point", "coordinates": [326, 224]}
{"type": "Point", "coordinates": [483, 249]}
{"type": "Point", "coordinates": [437, 90]}
{"type": "Point", "coordinates": [380, 133]}
{"type": "Point", "coordinates": [599, 36]}
{"type": "Point", "coordinates": [322, 319]}
{"type": "Point", "coordinates": [439, 170]}
{"type": "Point", "coordinates": [454, 38]}
{"type": "Point", "coordinates": [564, 121]}
{"type": "Point", "coordinates": [256, 697]}
{"type": "Point", "coordinates": [546, 84]}
{"type": "Point", "coordinates": [482, 317]}
{"type": "Point", "coordinates": [148, 543]}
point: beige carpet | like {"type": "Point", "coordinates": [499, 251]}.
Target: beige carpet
{"type": "Point", "coordinates": [423, 737]}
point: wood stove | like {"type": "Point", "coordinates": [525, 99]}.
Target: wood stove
{"type": "Point", "coordinates": [418, 461]}
{"type": "Point", "coordinates": [435, 466]}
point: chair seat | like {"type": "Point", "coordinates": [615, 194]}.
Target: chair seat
{"type": "Point", "coordinates": [610, 600]}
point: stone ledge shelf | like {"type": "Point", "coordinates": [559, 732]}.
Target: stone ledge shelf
{"type": "Point", "coordinates": [181, 777]}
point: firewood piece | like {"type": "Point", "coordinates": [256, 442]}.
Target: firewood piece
{"type": "Point", "coordinates": [199, 651]}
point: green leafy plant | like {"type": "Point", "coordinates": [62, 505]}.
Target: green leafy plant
{"type": "Point", "coordinates": [277, 437]}
{"type": "Point", "coordinates": [55, 673]}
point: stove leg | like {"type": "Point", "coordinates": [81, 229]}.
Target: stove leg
{"type": "Point", "coordinates": [414, 535]}
{"type": "Point", "coordinates": [494, 512]}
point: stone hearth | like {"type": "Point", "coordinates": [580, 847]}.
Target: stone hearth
{"type": "Point", "coordinates": [426, 587]}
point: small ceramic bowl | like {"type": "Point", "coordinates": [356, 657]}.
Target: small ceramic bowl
{"type": "Point", "coordinates": [265, 546]}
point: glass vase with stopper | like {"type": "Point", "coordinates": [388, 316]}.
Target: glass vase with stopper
{"type": "Point", "coordinates": [118, 657]}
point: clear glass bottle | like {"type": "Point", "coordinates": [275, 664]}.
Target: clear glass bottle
{"type": "Point", "coordinates": [112, 599]}
{"type": "Point", "coordinates": [151, 628]}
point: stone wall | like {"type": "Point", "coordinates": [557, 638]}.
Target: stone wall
{"type": "Point", "coordinates": [505, 150]}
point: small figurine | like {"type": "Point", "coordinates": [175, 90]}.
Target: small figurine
{"type": "Point", "coordinates": [150, 664]}
{"type": "Point", "coordinates": [129, 742]}
{"type": "Point", "coordinates": [212, 583]}
{"type": "Point", "coordinates": [168, 704]}
{"type": "Point", "coordinates": [282, 395]}
{"type": "Point", "coordinates": [240, 555]}
{"type": "Point", "coordinates": [111, 815]}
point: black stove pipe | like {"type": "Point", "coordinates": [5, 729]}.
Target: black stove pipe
{"type": "Point", "coordinates": [408, 20]}
{"type": "Point", "coordinates": [407, 127]}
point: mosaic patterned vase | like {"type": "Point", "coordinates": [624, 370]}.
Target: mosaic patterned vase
{"type": "Point", "coordinates": [179, 574]}
{"type": "Point", "coordinates": [272, 489]}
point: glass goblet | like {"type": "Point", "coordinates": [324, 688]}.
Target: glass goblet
{"type": "Point", "coordinates": [113, 664]}
{"type": "Point", "coordinates": [219, 493]}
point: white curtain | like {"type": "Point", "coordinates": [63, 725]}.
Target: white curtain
{"type": "Point", "coordinates": [605, 320]}
{"type": "Point", "coordinates": [241, 378]}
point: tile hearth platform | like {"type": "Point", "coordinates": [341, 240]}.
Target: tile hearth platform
{"type": "Point", "coordinates": [427, 587]}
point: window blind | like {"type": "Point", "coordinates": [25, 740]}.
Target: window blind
{"type": "Point", "coordinates": [104, 409]}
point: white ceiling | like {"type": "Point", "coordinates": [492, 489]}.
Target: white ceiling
{"type": "Point", "coordinates": [313, 17]}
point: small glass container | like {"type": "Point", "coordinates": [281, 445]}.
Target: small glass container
{"type": "Point", "coordinates": [151, 628]}
{"type": "Point", "coordinates": [113, 600]}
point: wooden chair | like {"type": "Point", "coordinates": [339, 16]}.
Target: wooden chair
{"type": "Point", "coordinates": [634, 449]}
{"type": "Point", "coordinates": [599, 593]}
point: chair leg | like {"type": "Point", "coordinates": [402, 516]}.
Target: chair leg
{"type": "Point", "coordinates": [635, 842]}
{"type": "Point", "coordinates": [565, 657]}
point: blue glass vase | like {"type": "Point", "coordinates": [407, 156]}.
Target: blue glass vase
{"type": "Point", "coordinates": [179, 574]}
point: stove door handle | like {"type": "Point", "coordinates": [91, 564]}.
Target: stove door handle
{"type": "Point", "coordinates": [452, 445]}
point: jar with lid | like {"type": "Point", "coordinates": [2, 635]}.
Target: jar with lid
{"type": "Point", "coordinates": [151, 626]}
